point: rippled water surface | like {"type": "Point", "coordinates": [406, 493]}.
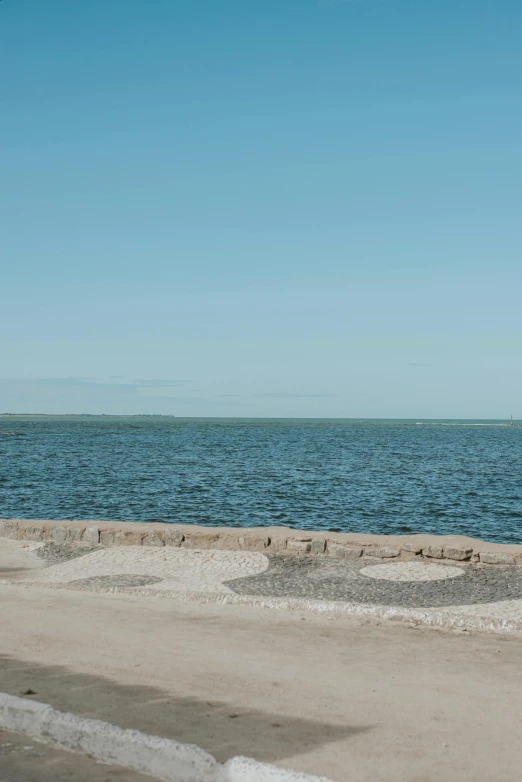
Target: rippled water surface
{"type": "Point", "coordinates": [360, 476]}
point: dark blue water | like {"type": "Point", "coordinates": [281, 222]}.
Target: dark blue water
{"type": "Point", "coordinates": [347, 475]}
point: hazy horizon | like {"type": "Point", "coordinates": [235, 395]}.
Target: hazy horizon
{"type": "Point", "coordinates": [251, 418]}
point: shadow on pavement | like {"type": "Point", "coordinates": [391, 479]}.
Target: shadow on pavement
{"type": "Point", "coordinates": [24, 760]}
{"type": "Point", "coordinates": [213, 725]}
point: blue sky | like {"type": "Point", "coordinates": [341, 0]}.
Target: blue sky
{"type": "Point", "coordinates": [261, 208]}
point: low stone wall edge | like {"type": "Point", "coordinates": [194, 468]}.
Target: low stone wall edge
{"type": "Point", "coordinates": [264, 539]}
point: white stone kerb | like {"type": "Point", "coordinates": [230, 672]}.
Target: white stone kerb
{"type": "Point", "coordinates": [159, 757]}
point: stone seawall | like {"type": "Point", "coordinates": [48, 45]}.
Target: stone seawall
{"type": "Point", "coordinates": [271, 540]}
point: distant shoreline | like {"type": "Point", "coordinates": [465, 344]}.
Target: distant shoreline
{"type": "Point", "coordinates": [496, 421]}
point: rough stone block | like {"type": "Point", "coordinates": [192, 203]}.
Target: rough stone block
{"type": "Point", "coordinates": [412, 548]}
{"type": "Point", "coordinates": [254, 542]}
{"type": "Point", "coordinates": [384, 552]}
{"type": "Point", "coordinates": [299, 546]}
{"type": "Point", "coordinates": [203, 541]}
{"type": "Point", "coordinates": [226, 542]}
{"type": "Point", "coordinates": [33, 532]}
{"type": "Point", "coordinates": [496, 558]}
{"type": "Point", "coordinates": [153, 539]}
{"type": "Point", "coordinates": [459, 554]}
{"type": "Point", "coordinates": [318, 546]}
{"type": "Point", "coordinates": [91, 535]}
{"type": "Point", "coordinates": [107, 537]}
{"type": "Point", "coordinates": [74, 534]}
{"type": "Point", "coordinates": [173, 537]}
{"type": "Point", "coordinates": [8, 529]}
{"type": "Point", "coordinates": [57, 534]}
{"type": "Point", "coordinates": [344, 551]}
{"type": "Point", "coordinates": [126, 537]}
{"type": "Point", "coordinates": [435, 552]}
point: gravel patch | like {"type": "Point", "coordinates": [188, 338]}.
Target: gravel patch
{"type": "Point", "coordinates": [116, 581]}
{"type": "Point", "coordinates": [55, 553]}
{"type": "Point", "coordinates": [313, 578]}
{"type": "Point", "coordinates": [412, 585]}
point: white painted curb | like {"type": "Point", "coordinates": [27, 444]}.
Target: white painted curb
{"type": "Point", "coordinates": [162, 758]}
{"type": "Point", "coordinates": [246, 770]}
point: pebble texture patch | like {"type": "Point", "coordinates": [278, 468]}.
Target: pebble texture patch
{"type": "Point", "coordinates": [412, 571]}
{"type": "Point", "coordinates": [314, 578]}
{"type": "Point", "coordinates": [168, 569]}
{"type": "Point", "coordinates": [412, 585]}
{"type": "Point", "coordinates": [118, 581]}
{"type": "Point", "coordinates": [55, 553]}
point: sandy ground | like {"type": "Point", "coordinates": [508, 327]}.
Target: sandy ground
{"type": "Point", "coordinates": [25, 760]}
{"type": "Point", "coordinates": [328, 694]}
{"type": "Point", "coordinates": [18, 560]}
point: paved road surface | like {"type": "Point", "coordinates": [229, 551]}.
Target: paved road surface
{"type": "Point", "coordinates": [327, 694]}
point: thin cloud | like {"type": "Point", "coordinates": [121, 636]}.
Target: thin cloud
{"type": "Point", "coordinates": [60, 381]}
{"type": "Point", "coordinates": [418, 364]}
{"type": "Point", "coordinates": [78, 396]}
{"type": "Point", "coordinates": [285, 395]}
{"type": "Point", "coordinates": [158, 383]}
{"type": "Point", "coordinates": [95, 381]}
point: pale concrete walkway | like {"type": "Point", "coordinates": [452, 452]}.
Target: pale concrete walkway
{"type": "Point", "coordinates": [354, 700]}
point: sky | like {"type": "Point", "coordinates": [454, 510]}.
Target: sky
{"type": "Point", "coordinates": [305, 208]}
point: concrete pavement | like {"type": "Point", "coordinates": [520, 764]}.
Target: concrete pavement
{"type": "Point", "coordinates": [24, 760]}
{"type": "Point", "coordinates": [330, 694]}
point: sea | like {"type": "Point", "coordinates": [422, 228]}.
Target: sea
{"type": "Point", "coordinates": [342, 475]}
